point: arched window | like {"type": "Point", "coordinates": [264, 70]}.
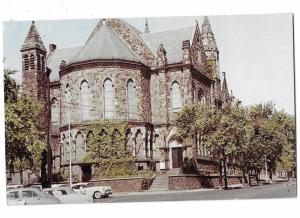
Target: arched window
{"type": "Point", "coordinates": [54, 112]}
{"type": "Point", "coordinates": [131, 103]}
{"type": "Point", "coordinates": [200, 97]}
{"type": "Point", "coordinates": [79, 146]}
{"type": "Point", "coordinates": [31, 60]}
{"type": "Point", "coordinates": [41, 62]}
{"type": "Point", "coordinates": [85, 101]}
{"type": "Point", "coordinates": [108, 99]}
{"type": "Point", "coordinates": [26, 62]}
{"type": "Point", "coordinates": [176, 97]}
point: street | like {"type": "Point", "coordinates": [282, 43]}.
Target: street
{"type": "Point", "coordinates": [276, 190]}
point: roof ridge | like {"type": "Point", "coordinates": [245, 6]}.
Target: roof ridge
{"type": "Point", "coordinates": [105, 43]}
{"type": "Point", "coordinates": [123, 42]}
{"type": "Point", "coordinates": [170, 29]}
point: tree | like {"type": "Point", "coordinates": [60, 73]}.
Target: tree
{"type": "Point", "coordinates": [24, 141]}
{"type": "Point", "coordinates": [10, 86]}
{"type": "Point", "coordinates": [107, 148]}
{"type": "Point", "coordinates": [286, 125]}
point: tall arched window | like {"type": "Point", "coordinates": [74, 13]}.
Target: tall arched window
{"type": "Point", "coordinates": [54, 112]}
{"type": "Point", "coordinates": [85, 101]}
{"type": "Point", "coordinates": [200, 96]}
{"type": "Point", "coordinates": [176, 97]}
{"type": "Point", "coordinates": [108, 99]}
{"type": "Point", "coordinates": [131, 103]}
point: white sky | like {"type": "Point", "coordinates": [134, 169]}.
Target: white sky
{"type": "Point", "coordinates": [256, 51]}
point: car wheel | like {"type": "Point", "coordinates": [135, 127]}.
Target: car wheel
{"type": "Point", "coordinates": [97, 195]}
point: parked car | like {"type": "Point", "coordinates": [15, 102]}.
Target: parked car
{"type": "Point", "coordinates": [9, 187]}
{"type": "Point", "coordinates": [91, 190]}
{"type": "Point", "coordinates": [38, 187]}
{"type": "Point", "coordinates": [29, 196]}
{"type": "Point", "coordinates": [66, 195]}
{"type": "Point", "coordinates": [58, 185]}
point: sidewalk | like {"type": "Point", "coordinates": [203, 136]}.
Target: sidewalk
{"type": "Point", "coordinates": [147, 192]}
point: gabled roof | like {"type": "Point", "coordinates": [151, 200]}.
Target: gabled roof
{"type": "Point", "coordinates": [172, 41]}
{"type": "Point", "coordinates": [33, 39]}
{"type": "Point", "coordinates": [55, 57]}
{"type": "Point", "coordinates": [104, 43]}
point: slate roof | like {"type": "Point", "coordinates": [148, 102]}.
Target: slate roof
{"type": "Point", "coordinates": [33, 39]}
{"type": "Point", "coordinates": [55, 58]}
{"type": "Point", "coordinates": [172, 41]}
{"type": "Point", "coordinates": [105, 44]}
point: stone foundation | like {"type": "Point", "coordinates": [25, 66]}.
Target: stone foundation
{"type": "Point", "coordinates": [134, 184]}
{"type": "Point", "coordinates": [188, 182]}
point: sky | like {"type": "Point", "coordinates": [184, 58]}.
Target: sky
{"type": "Point", "coordinates": [256, 51]}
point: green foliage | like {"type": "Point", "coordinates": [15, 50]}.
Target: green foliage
{"type": "Point", "coordinates": [246, 134]}
{"type": "Point", "coordinates": [24, 140]}
{"type": "Point", "coordinates": [106, 147]}
{"type": "Point", "coordinates": [10, 86]}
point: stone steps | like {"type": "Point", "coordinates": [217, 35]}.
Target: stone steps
{"type": "Point", "coordinates": [160, 183]}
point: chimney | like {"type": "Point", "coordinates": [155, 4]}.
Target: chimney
{"type": "Point", "coordinates": [52, 47]}
{"type": "Point", "coordinates": [186, 59]}
{"type": "Point", "coordinates": [186, 44]}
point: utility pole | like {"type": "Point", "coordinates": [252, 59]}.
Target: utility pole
{"type": "Point", "coordinates": [70, 148]}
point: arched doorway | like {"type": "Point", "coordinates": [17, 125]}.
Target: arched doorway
{"type": "Point", "coordinates": [175, 154]}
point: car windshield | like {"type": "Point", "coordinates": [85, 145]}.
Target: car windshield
{"type": "Point", "coordinates": [90, 184]}
{"type": "Point", "coordinates": [66, 192]}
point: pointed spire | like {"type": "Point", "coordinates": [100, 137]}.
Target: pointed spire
{"type": "Point", "coordinates": [33, 39]}
{"type": "Point", "coordinates": [147, 29]}
{"type": "Point", "coordinates": [207, 36]}
{"type": "Point", "coordinates": [225, 92]}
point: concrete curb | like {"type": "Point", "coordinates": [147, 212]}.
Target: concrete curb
{"type": "Point", "coordinates": [160, 192]}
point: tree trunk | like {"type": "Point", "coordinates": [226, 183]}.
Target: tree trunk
{"type": "Point", "coordinates": [225, 171]}
{"type": "Point", "coordinates": [249, 178]}
{"type": "Point", "coordinates": [243, 177]}
{"type": "Point", "coordinates": [220, 172]}
{"type": "Point", "coordinates": [256, 176]}
{"type": "Point", "coordinates": [21, 176]}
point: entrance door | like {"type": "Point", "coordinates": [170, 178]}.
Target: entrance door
{"type": "Point", "coordinates": [86, 172]}
{"type": "Point", "coordinates": [177, 157]}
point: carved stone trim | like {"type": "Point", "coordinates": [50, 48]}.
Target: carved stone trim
{"type": "Point", "coordinates": [100, 63]}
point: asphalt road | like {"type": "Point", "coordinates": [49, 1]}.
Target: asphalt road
{"type": "Point", "coordinates": [278, 190]}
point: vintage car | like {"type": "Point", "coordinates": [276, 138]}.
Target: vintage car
{"type": "Point", "coordinates": [91, 190]}
{"type": "Point", "coordinates": [67, 196]}
{"type": "Point", "coordinates": [9, 187]}
{"type": "Point", "coordinates": [29, 196]}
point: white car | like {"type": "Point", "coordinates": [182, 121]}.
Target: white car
{"type": "Point", "coordinates": [9, 187]}
{"type": "Point", "coordinates": [29, 196]}
{"type": "Point", "coordinates": [95, 192]}
{"type": "Point", "coordinates": [67, 196]}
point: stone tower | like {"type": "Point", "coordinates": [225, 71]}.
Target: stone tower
{"type": "Point", "coordinates": [35, 83]}
{"type": "Point", "coordinates": [210, 47]}
{"type": "Point", "coordinates": [34, 75]}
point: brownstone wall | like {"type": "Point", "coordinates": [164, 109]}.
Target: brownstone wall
{"type": "Point", "coordinates": [186, 182]}
{"type": "Point", "coordinates": [95, 77]}
{"type": "Point", "coordinates": [123, 184]}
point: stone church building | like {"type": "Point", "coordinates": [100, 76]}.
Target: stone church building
{"type": "Point", "coordinates": [143, 78]}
